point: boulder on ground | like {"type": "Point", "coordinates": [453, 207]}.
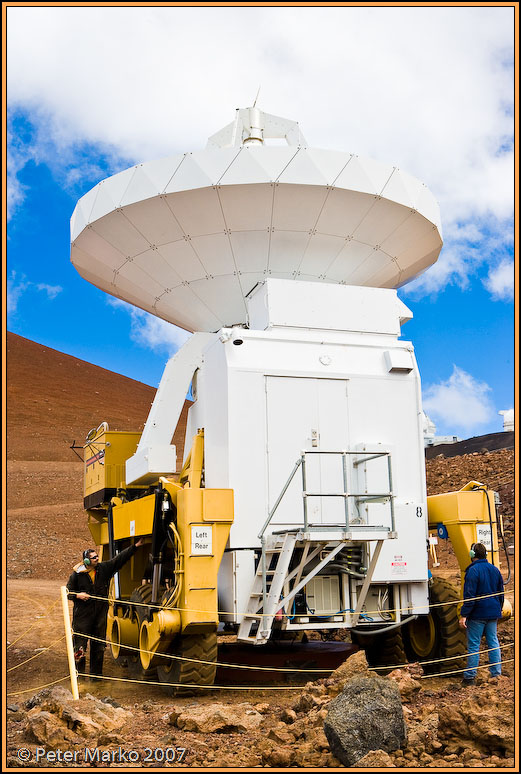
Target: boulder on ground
{"type": "Point", "coordinates": [308, 701]}
{"type": "Point", "coordinates": [366, 716]}
{"type": "Point", "coordinates": [54, 717]}
{"type": "Point", "coordinates": [288, 716]}
{"type": "Point", "coordinates": [49, 730]}
{"type": "Point", "coordinates": [222, 718]}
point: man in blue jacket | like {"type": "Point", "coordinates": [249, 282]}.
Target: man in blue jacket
{"type": "Point", "coordinates": [480, 616]}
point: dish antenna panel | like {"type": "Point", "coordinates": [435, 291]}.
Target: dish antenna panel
{"type": "Point", "coordinates": [187, 237]}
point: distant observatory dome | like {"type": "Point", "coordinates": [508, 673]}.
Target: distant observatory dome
{"type": "Point", "coordinates": [508, 420]}
{"type": "Point", "coordinates": [187, 237]}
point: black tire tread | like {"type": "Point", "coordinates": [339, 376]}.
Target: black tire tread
{"type": "Point", "coordinates": [201, 646]}
{"type": "Point", "coordinates": [385, 651]}
{"type": "Point", "coordinates": [451, 640]}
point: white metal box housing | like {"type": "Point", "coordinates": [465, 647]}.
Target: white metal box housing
{"type": "Point", "coordinates": [263, 396]}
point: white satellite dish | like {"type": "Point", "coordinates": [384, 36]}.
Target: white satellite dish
{"type": "Point", "coordinates": [187, 237]}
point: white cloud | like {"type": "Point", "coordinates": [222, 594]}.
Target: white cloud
{"type": "Point", "coordinates": [46, 144]}
{"type": "Point", "coordinates": [500, 281]}
{"type": "Point", "coordinates": [461, 403]}
{"type": "Point", "coordinates": [16, 287]}
{"type": "Point", "coordinates": [151, 332]}
{"type": "Point", "coordinates": [468, 248]}
{"type": "Point", "coordinates": [370, 80]}
{"type": "Point", "coordinates": [429, 89]}
{"type": "Point", "coordinates": [17, 158]}
{"type": "Point", "coordinates": [155, 333]}
{"type": "Point", "coordinates": [51, 290]}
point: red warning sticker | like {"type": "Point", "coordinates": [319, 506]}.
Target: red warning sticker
{"type": "Point", "coordinates": [399, 566]}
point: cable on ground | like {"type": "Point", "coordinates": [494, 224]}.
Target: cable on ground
{"type": "Point", "coordinates": [197, 686]}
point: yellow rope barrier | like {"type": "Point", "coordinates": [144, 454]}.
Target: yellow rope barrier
{"type": "Point", "coordinates": [472, 599]}
{"type": "Point", "coordinates": [439, 660]}
{"type": "Point", "coordinates": [290, 615]}
{"type": "Point", "coordinates": [287, 669]}
{"type": "Point", "coordinates": [239, 666]}
{"type": "Point", "coordinates": [217, 687]}
{"type": "Point", "coordinates": [43, 650]}
{"type": "Point", "coordinates": [203, 687]}
{"type": "Point", "coordinates": [39, 688]}
{"type": "Point", "coordinates": [32, 625]}
{"type": "Point", "coordinates": [200, 661]}
{"type": "Point", "coordinates": [458, 671]}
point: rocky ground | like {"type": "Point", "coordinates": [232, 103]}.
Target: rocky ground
{"type": "Point", "coordinates": [447, 725]}
{"type": "Point", "coordinates": [276, 725]}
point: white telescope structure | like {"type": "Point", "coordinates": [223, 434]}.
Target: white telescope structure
{"type": "Point", "coordinates": [285, 262]}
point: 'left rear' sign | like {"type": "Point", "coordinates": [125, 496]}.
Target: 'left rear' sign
{"type": "Point", "coordinates": [201, 540]}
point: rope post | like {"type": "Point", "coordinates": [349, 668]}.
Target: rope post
{"type": "Point", "coordinates": [68, 640]}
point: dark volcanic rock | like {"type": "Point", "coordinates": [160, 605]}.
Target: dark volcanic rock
{"type": "Point", "coordinates": [366, 716]}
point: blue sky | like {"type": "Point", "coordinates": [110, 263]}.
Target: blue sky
{"type": "Point", "coordinates": [92, 91]}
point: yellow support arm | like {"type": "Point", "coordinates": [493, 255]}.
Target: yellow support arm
{"type": "Point", "coordinates": [469, 516]}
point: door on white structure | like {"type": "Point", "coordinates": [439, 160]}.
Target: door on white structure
{"type": "Point", "coordinates": [305, 414]}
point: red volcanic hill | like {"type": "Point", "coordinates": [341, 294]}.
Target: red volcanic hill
{"type": "Point", "coordinates": [52, 400]}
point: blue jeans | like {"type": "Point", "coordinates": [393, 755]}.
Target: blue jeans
{"type": "Point", "coordinates": [476, 628]}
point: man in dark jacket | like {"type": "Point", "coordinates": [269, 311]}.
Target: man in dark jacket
{"type": "Point", "coordinates": [480, 616]}
{"type": "Point", "coordinates": [91, 578]}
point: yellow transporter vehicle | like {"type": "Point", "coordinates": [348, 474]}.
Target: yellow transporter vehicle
{"type": "Point", "coordinates": [164, 601]}
{"type": "Point", "coordinates": [163, 615]}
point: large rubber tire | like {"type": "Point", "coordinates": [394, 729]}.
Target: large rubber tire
{"type": "Point", "coordinates": [142, 594]}
{"type": "Point", "coordinates": [192, 673]}
{"type": "Point", "coordinates": [385, 651]}
{"type": "Point", "coordinates": [437, 635]}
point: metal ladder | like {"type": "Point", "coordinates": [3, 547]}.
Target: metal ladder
{"type": "Point", "coordinates": [266, 595]}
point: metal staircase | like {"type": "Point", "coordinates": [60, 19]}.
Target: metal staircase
{"type": "Point", "coordinates": [270, 591]}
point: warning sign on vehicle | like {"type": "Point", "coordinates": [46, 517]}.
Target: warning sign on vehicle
{"type": "Point", "coordinates": [398, 566]}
